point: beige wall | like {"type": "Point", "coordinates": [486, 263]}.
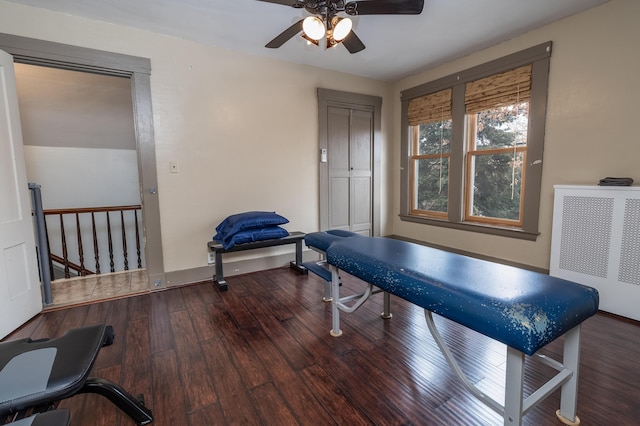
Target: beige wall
{"type": "Point", "coordinates": [591, 127]}
{"type": "Point", "coordinates": [243, 129]}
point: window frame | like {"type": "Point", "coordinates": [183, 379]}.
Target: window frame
{"type": "Point", "coordinates": [412, 189]}
{"type": "Point", "coordinates": [539, 58]}
{"type": "Point", "coordinates": [471, 153]}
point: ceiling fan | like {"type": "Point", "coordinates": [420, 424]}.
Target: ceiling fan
{"type": "Point", "coordinates": [326, 24]}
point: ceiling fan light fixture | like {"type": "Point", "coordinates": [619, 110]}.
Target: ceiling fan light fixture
{"type": "Point", "coordinates": [313, 27]}
{"type": "Point", "coordinates": [341, 28]}
{"type": "Point", "coordinates": [309, 40]}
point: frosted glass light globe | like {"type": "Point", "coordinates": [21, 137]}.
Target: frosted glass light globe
{"type": "Point", "coordinates": [313, 27]}
{"type": "Point", "coordinates": [342, 29]}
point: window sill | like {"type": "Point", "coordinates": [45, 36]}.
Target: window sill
{"type": "Point", "coordinates": [474, 227]}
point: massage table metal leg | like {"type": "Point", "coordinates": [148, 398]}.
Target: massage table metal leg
{"type": "Point", "coordinates": [328, 290]}
{"type": "Point", "coordinates": [515, 405]}
{"type": "Point", "coordinates": [513, 392]}
{"type": "Point", "coordinates": [569, 390]}
{"type": "Point", "coordinates": [327, 293]}
{"type": "Point", "coordinates": [386, 314]}
{"type": "Point", "coordinates": [335, 295]}
{"type": "Point", "coordinates": [486, 399]}
{"type": "Point", "coordinates": [341, 304]}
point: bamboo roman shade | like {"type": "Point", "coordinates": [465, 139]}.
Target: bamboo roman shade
{"type": "Point", "coordinates": [505, 88]}
{"type": "Point", "coordinates": [430, 108]}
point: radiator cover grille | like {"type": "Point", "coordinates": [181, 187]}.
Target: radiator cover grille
{"type": "Point", "coordinates": [596, 241]}
{"type": "Point", "coordinates": [586, 233]}
{"type": "Point", "coordinates": [630, 251]}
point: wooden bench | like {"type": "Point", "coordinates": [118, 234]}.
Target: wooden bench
{"type": "Point", "coordinates": [293, 238]}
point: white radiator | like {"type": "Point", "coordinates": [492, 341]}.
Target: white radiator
{"type": "Point", "coordinates": [596, 241]}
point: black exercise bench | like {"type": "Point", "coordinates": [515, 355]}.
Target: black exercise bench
{"type": "Point", "coordinates": [36, 374]}
{"type": "Point", "coordinates": [293, 238]}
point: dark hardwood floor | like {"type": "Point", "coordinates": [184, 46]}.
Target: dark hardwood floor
{"type": "Point", "coordinates": [261, 354]}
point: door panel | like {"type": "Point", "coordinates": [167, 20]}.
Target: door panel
{"type": "Point", "coordinates": [361, 211]}
{"type": "Point", "coordinates": [338, 135]}
{"type": "Point", "coordinates": [338, 156]}
{"type": "Point", "coordinates": [339, 214]}
{"type": "Point", "coordinates": [361, 140]}
{"type": "Point", "coordinates": [361, 144]}
{"type": "Point", "coordinates": [20, 296]}
{"type": "Point", "coordinates": [350, 141]}
{"type": "Point", "coordinates": [349, 134]}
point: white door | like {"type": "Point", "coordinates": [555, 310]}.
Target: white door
{"type": "Point", "coordinates": [20, 296]}
{"type": "Point", "coordinates": [350, 165]}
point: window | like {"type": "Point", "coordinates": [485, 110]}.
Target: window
{"type": "Point", "coordinates": [472, 146]}
{"type": "Point", "coordinates": [430, 119]}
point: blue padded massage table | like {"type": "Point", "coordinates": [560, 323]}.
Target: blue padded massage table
{"type": "Point", "coordinates": [525, 310]}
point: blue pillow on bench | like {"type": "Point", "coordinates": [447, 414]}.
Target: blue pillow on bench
{"type": "Point", "coordinates": [255, 234]}
{"type": "Point", "coordinates": [254, 226]}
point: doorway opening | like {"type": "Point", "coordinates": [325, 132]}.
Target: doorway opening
{"type": "Point", "coordinates": [137, 72]}
{"type": "Point", "coordinates": [80, 149]}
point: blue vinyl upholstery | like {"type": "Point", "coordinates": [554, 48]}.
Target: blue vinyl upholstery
{"type": "Point", "coordinates": [522, 309]}
{"type": "Point", "coordinates": [322, 240]}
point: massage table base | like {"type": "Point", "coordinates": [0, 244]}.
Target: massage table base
{"type": "Point", "coordinates": [522, 309]}
{"type": "Point", "coordinates": [515, 405]}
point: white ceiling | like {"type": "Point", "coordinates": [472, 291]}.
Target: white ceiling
{"type": "Point", "coordinates": [396, 46]}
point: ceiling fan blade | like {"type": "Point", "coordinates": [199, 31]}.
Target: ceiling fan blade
{"type": "Point", "coordinates": [384, 7]}
{"type": "Point", "coordinates": [292, 3]}
{"type": "Point", "coordinates": [353, 43]}
{"type": "Point", "coordinates": [284, 36]}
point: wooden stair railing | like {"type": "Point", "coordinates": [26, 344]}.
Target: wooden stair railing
{"type": "Point", "coordinates": [81, 269]}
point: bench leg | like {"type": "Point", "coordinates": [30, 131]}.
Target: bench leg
{"type": "Point", "coordinates": [297, 265]}
{"type": "Point", "coordinates": [133, 407]}
{"type": "Point", "coordinates": [219, 278]}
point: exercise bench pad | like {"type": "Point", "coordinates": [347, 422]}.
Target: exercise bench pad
{"type": "Point", "coordinates": [38, 372]}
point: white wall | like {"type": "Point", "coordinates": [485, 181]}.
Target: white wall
{"type": "Point", "coordinates": [74, 109]}
{"type": "Point", "coordinates": [591, 127]}
{"type": "Point", "coordinates": [243, 129]}
{"type": "Point", "coordinates": [87, 177]}
{"type": "Point", "coordinates": [83, 177]}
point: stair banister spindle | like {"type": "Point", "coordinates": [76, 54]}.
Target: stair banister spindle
{"type": "Point", "coordinates": [135, 214]}
{"type": "Point", "coordinates": [95, 242]}
{"type": "Point", "coordinates": [80, 249]}
{"type": "Point", "coordinates": [109, 238]}
{"type": "Point", "coordinates": [65, 254]}
{"type": "Point", "coordinates": [124, 241]}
